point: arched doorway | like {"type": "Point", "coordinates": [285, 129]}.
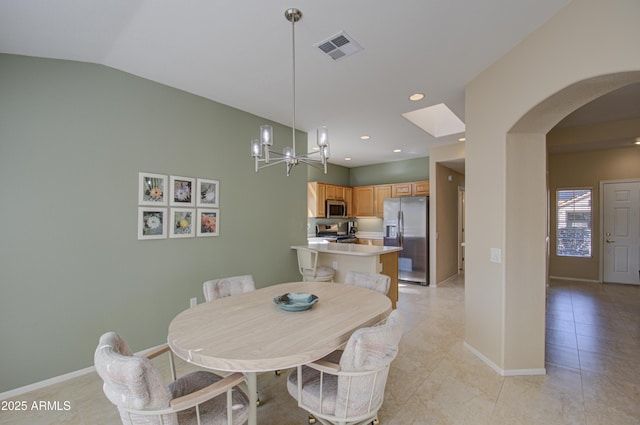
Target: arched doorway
{"type": "Point", "coordinates": [526, 190]}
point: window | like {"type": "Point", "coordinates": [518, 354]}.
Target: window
{"type": "Point", "coordinates": [573, 226]}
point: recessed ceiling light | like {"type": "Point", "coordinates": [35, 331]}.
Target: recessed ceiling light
{"type": "Point", "coordinates": [347, 158]}
{"type": "Point", "coordinates": [462, 139]}
{"type": "Point", "coordinates": [637, 142]}
{"type": "Point", "coordinates": [365, 137]}
{"type": "Point", "coordinates": [397, 150]}
{"type": "Point", "coordinates": [416, 97]}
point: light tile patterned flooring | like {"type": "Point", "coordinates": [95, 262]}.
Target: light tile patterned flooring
{"type": "Point", "coordinates": [593, 369]}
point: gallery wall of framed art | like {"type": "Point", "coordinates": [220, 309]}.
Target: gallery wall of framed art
{"type": "Point", "coordinates": [177, 207]}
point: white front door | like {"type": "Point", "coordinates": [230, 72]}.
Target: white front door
{"type": "Point", "coordinates": [621, 232]}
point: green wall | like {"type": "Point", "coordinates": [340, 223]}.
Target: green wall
{"type": "Point", "coordinates": [73, 137]}
{"type": "Point", "coordinates": [390, 172]}
{"type": "Point", "coordinates": [335, 175]}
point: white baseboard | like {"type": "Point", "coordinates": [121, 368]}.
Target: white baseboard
{"type": "Point", "coordinates": [57, 379]}
{"type": "Point", "coordinates": [500, 371]}
{"type": "Point", "coordinates": [574, 279]}
{"type": "Point", "coordinates": [450, 278]}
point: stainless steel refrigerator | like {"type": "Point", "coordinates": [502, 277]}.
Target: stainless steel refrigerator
{"type": "Point", "coordinates": [406, 225]}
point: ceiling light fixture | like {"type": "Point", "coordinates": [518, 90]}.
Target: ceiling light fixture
{"type": "Point", "coordinates": [462, 139]}
{"type": "Point", "coordinates": [637, 142]}
{"type": "Point", "coordinates": [364, 137]}
{"type": "Point", "coordinates": [397, 150]}
{"type": "Point", "coordinates": [260, 148]}
{"type": "Point", "coordinates": [416, 97]}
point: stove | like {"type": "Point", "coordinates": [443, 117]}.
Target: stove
{"type": "Point", "coordinates": [332, 232]}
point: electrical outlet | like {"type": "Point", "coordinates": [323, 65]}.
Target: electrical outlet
{"type": "Point", "coordinates": [334, 265]}
{"type": "Point", "coordinates": [193, 302]}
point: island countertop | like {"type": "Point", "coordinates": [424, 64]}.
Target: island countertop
{"type": "Point", "coordinates": [343, 257]}
{"type": "Point", "coordinates": [350, 249]}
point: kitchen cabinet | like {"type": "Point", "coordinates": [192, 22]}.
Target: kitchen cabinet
{"type": "Point", "coordinates": [373, 242]}
{"type": "Point", "coordinates": [348, 198]}
{"type": "Point", "coordinates": [318, 193]}
{"type": "Point", "coordinates": [316, 197]}
{"type": "Point", "coordinates": [401, 189]}
{"type": "Point", "coordinates": [420, 188]}
{"type": "Point", "coordinates": [369, 200]}
{"type": "Point", "coordinates": [363, 201]}
{"type": "Point", "coordinates": [380, 193]}
{"type": "Point", "coordinates": [335, 193]}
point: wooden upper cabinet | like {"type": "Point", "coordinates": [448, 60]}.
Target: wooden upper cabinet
{"type": "Point", "coordinates": [318, 193]}
{"type": "Point", "coordinates": [316, 197]}
{"type": "Point", "coordinates": [348, 198]}
{"type": "Point", "coordinates": [380, 193]}
{"type": "Point", "coordinates": [363, 201]}
{"type": "Point", "coordinates": [401, 189]}
{"type": "Point", "coordinates": [420, 188]}
{"type": "Point", "coordinates": [335, 193]}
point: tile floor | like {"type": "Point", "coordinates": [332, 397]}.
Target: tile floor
{"type": "Point", "coordinates": [593, 369]}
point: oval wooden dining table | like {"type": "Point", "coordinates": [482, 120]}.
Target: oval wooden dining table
{"type": "Point", "coordinates": [249, 333]}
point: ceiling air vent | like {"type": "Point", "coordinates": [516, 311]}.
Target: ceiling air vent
{"type": "Point", "coordinates": [339, 46]}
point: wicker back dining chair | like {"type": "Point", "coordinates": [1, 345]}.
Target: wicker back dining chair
{"type": "Point", "coordinates": [227, 286]}
{"type": "Point", "coordinates": [351, 390]}
{"type": "Point", "coordinates": [376, 281]}
{"type": "Point", "coordinates": [136, 387]}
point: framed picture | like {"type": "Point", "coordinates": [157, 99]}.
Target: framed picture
{"type": "Point", "coordinates": [208, 222]}
{"type": "Point", "coordinates": [182, 191]}
{"type": "Point", "coordinates": [182, 223]}
{"type": "Point", "coordinates": [152, 189]}
{"type": "Point", "coordinates": [208, 193]}
{"type": "Point", "coordinates": [152, 223]}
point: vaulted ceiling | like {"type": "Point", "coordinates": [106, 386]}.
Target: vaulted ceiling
{"type": "Point", "coordinates": [239, 53]}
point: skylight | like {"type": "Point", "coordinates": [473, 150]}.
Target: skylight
{"type": "Point", "coordinates": [437, 120]}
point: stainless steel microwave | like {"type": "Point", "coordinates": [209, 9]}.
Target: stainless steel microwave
{"type": "Point", "coordinates": [336, 209]}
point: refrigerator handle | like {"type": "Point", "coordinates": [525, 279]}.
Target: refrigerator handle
{"type": "Point", "coordinates": [400, 231]}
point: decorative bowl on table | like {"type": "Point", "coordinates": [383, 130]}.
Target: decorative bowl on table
{"type": "Point", "coordinates": [295, 301]}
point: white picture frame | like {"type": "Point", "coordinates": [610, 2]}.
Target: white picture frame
{"type": "Point", "coordinates": [152, 223]}
{"type": "Point", "coordinates": [152, 189]}
{"type": "Point", "coordinates": [208, 222]}
{"type": "Point", "coordinates": [208, 193]}
{"type": "Point", "coordinates": [182, 191]}
{"type": "Point", "coordinates": [182, 223]}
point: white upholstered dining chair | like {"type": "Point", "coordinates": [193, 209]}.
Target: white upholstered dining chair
{"type": "Point", "coordinates": [309, 269]}
{"type": "Point", "coordinates": [227, 286]}
{"type": "Point", "coordinates": [349, 390]}
{"type": "Point", "coordinates": [376, 281]}
{"type": "Point", "coordinates": [136, 387]}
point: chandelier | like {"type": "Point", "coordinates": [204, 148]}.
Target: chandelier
{"type": "Point", "coordinates": [261, 148]}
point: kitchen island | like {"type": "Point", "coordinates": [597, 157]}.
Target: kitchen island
{"type": "Point", "coordinates": [343, 257]}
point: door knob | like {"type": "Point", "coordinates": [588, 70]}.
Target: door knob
{"type": "Point", "coordinates": [610, 241]}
